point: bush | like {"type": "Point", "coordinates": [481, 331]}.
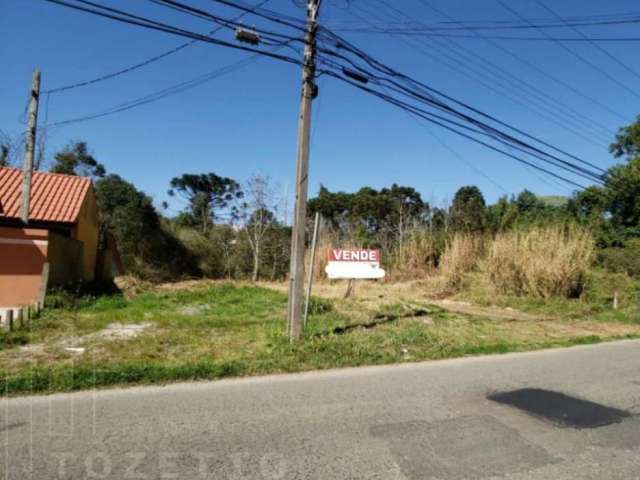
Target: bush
{"type": "Point", "coordinates": [621, 260]}
{"type": "Point", "coordinates": [541, 262]}
{"type": "Point", "coordinates": [461, 255]}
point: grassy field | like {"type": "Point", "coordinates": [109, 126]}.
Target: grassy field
{"type": "Point", "coordinates": [208, 330]}
{"type": "Point", "coordinates": [596, 303]}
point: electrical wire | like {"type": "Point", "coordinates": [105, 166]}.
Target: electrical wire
{"type": "Point", "coordinates": [575, 54]}
{"type": "Point", "coordinates": [484, 130]}
{"type": "Point", "coordinates": [458, 156]}
{"type": "Point", "coordinates": [375, 64]}
{"type": "Point", "coordinates": [536, 100]}
{"type": "Point", "coordinates": [385, 31]}
{"type": "Point", "coordinates": [226, 23]}
{"type": "Point", "coordinates": [161, 94]}
{"type": "Point", "coordinates": [595, 45]}
{"type": "Point", "coordinates": [460, 133]}
{"type": "Point", "coordinates": [417, 28]}
{"type": "Point", "coordinates": [452, 119]}
{"type": "Point", "coordinates": [500, 136]}
{"type": "Point", "coordinates": [274, 18]}
{"type": "Point", "coordinates": [144, 63]}
{"type": "Point", "coordinates": [158, 26]}
{"type": "Point", "coordinates": [539, 70]}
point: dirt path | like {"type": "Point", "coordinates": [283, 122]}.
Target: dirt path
{"type": "Point", "coordinates": [497, 313]}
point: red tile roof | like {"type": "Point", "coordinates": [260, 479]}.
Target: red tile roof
{"type": "Point", "coordinates": [54, 197]}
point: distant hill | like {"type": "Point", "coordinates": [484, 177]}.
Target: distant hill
{"type": "Point", "coordinates": [554, 200]}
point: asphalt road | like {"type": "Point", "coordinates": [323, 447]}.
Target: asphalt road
{"type": "Point", "coordinates": [414, 421]}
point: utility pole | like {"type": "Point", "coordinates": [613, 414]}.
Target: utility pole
{"type": "Point", "coordinates": [309, 92]}
{"type": "Point", "coordinates": [30, 146]}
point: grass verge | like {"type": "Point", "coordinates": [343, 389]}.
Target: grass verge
{"type": "Point", "coordinates": [221, 330]}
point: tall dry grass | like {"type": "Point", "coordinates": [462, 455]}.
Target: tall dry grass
{"type": "Point", "coordinates": [417, 257]}
{"type": "Point", "coordinates": [541, 262]}
{"type": "Point", "coordinates": [462, 254]}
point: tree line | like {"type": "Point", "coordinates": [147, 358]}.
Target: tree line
{"type": "Point", "coordinates": [233, 229]}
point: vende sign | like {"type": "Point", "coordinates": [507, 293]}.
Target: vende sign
{"type": "Point", "coordinates": [354, 256]}
{"type": "Point", "coordinates": [354, 263]}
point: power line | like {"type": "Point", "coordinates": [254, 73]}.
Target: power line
{"type": "Point", "coordinates": [423, 33]}
{"type": "Point", "coordinates": [582, 18]}
{"type": "Point", "coordinates": [463, 68]}
{"type": "Point", "coordinates": [541, 71]}
{"type": "Point", "coordinates": [274, 18]}
{"type": "Point", "coordinates": [142, 64]}
{"type": "Point", "coordinates": [483, 127]}
{"type": "Point", "coordinates": [164, 93]}
{"type": "Point", "coordinates": [400, 83]}
{"type": "Point", "coordinates": [575, 54]}
{"type": "Point", "coordinates": [158, 26]}
{"type": "Point", "coordinates": [428, 98]}
{"type": "Point", "coordinates": [479, 128]}
{"type": "Point", "coordinates": [528, 26]}
{"type": "Point", "coordinates": [535, 100]}
{"type": "Point", "coordinates": [452, 129]}
{"type": "Point", "coordinates": [602, 50]}
{"type": "Point", "coordinates": [458, 156]}
{"type": "Point", "coordinates": [223, 22]}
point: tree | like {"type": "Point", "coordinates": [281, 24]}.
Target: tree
{"type": "Point", "coordinates": [622, 186]}
{"type": "Point", "coordinates": [207, 194]}
{"type": "Point", "coordinates": [126, 212]}
{"type": "Point", "coordinates": [259, 217]}
{"type": "Point", "coordinates": [370, 215]}
{"type": "Point", "coordinates": [75, 159]}
{"type": "Point", "coordinates": [406, 209]}
{"type": "Point", "coordinates": [528, 203]}
{"type": "Point", "coordinates": [622, 182]}
{"type": "Point", "coordinates": [12, 148]}
{"type": "Point", "coordinates": [4, 155]}
{"type": "Point", "coordinates": [335, 208]}
{"type": "Point", "coordinates": [502, 214]}
{"type": "Point", "coordinates": [147, 249]}
{"type": "Point", "coordinates": [590, 204]}
{"type": "Point", "coordinates": [468, 210]}
{"type": "Point", "coordinates": [627, 141]}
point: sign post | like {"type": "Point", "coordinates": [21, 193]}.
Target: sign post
{"type": "Point", "coordinates": [316, 229]}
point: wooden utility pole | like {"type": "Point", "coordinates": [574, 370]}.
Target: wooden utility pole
{"type": "Point", "coordinates": [314, 241]}
{"type": "Point", "coordinates": [309, 92]}
{"type": "Point", "coordinates": [30, 146]}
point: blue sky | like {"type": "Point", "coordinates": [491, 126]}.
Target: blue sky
{"type": "Point", "coordinates": [245, 122]}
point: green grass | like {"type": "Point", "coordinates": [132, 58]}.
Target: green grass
{"type": "Point", "coordinates": [229, 330]}
{"type": "Point", "coordinates": [595, 303]}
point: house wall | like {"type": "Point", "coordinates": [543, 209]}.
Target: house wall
{"type": "Point", "coordinates": [23, 253]}
{"type": "Point", "coordinates": [86, 231]}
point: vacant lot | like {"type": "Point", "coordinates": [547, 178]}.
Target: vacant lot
{"type": "Point", "coordinates": [205, 330]}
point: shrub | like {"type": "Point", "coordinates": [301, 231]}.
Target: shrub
{"type": "Point", "coordinates": [621, 260]}
{"type": "Point", "coordinates": [541, 262]}
{"type": "Point", "coordinates": [461, 255]}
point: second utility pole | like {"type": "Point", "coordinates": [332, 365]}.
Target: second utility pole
{"type": "Point", "coordinates": [309, 92]}
{"type": "Point", "coordinates": [30, 146]}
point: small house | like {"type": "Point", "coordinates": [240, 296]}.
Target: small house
{"type": "Point", "coordinates": [58, 245]}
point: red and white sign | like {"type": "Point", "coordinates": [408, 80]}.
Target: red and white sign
{"type": "Point", "coordinates": [354, 263]}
